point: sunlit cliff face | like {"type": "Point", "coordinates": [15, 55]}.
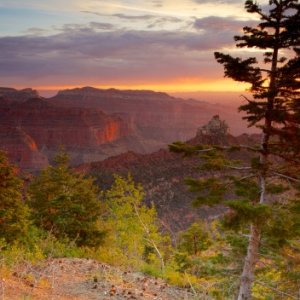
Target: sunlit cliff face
{"type": "Point", "coordinates": [160, 44]}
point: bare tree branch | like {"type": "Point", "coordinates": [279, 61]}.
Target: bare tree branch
{"type": "Point", "coordinates": [238, 168]}
{"type": "Point", "coordinates": [275, 290]}
{"type": "Point", "coordinates": [286, 176]}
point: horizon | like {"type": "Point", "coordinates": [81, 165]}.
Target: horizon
{"type": "Point", "coordinates": [157, 45]}
{"type": "Point", "coordinates": [228, 98]}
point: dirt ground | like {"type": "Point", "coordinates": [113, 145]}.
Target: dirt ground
{"type": "Point", "coordinates": [66, 279]}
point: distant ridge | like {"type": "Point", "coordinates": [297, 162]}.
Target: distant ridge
{"type": "Point", "coordinates": [94, 124]}
{"type": "Point", "coordinates": [115, 93]}
{"type": "Point", "coordinates": [18, 95]}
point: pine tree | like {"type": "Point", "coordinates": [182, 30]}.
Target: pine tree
{"type": "Point", "coordinates": [274, 108]}
{"type": "Point", "coordinates": [67, 204]}
{"type": "Point", "coordinates": [14, 216]}
{"type": "Point", "coordinates": [194, 239]}
{"type": "Point", "coordinates": [276, 95]}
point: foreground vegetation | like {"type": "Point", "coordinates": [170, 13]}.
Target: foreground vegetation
{"type": "Point", "coordinates": [52, 218]}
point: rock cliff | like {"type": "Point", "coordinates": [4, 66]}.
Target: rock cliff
{"type": "Point", "coordinates": [155, 116]}
{"type": "Point", "coordinates": [94, 124]}
{"type": "Point", "coordinates": [21, 148]}
{"type": "Point", "coordinates": [33, 130]}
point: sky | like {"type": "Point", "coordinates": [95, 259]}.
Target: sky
{"type": "Point", "coordinates": [163, 45]}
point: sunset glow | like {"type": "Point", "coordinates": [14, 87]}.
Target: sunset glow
{"type": "Point", "coordinates": [179, 86]}
{"type": "Point", "coordinates": [159, 45]}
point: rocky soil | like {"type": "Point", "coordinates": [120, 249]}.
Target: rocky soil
{"type": "Point", "coordinates": [67, 278]}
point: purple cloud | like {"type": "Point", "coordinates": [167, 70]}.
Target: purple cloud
{"type": "Point", "coordinates": [219, 1]}
{"type": "Point", "coordinates": [87, 53]}
{"type": "Point", "coordinates": [221, 24]}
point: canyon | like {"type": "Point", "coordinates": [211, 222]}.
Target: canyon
{"type": "Point", "coordinates": [94, 124]}
{"type": "Point", "coordinates": [108, 132]}
{"type": "Point", "coordinates": [162, 174]}
{"type": "Point", "coordinates": [33, 130]}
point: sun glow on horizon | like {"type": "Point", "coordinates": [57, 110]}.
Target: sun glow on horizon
{"type": "Point", "coordinates": [223, 85]}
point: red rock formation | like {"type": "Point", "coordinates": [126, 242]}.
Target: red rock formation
{"type": "Point", "coordinates": [155, 116]}
{"type": "Point", "coordinates": [95, 124]}
{"type": "Point", "coordinates": [21, 148]}
{"type": "Point", "coordinates": [33, 130]}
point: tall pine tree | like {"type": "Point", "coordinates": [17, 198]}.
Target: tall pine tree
{"type": "Point", "coordinates": [67, 204]}
{"type": "Point", "coordinates": [276, 95]}
{"type": "Point", "coordinates": [274, 108]}
{"type": "Point", "coordinates": [14, 214]}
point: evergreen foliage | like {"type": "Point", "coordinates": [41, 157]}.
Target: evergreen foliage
{"type": "Point", "coordinates": [194, 240]}
{"type": "Point", "coordinates": [252, 207]}
{"type": "Point", "coordinates": [14, 214]}
{"type": "Point", "coordinates": [67, 204]}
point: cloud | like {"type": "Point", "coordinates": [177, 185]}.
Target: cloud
{"type": "Point", "coordinates": [161, 21]}
{"type": "Point", "coordinates": [86, 28]}
{"type": "Point", "coordinates": [123, 16]}
{"type": "Point", "coordinates": [134, 17]}
{"type": "Point", "coordinates": [221, 24]}
{"type": "Point", "coordinates": [90, 53]}
{"type": "Point", "coordinates": [218, 1]}
{"type": "Point", "coordinates": [148, 21]}
{"type": "Point", "coordinates": [145, 17]}
{"type": "Point", "coordinates": [102, 26]}
{"type": "Point", "coordinates": [157, 3]}
{"type": "Point", "coordinates": [36, 31]}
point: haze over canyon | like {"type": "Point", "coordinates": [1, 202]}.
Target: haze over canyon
{"type": "Point", "coordinates": [93, 124]}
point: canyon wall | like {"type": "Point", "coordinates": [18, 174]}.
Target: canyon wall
{"type": "Point", "coordinates": [156, 116]}
{"type": "Point", "coordinates": [93, 124]}
{"type": "Point", "coordinates": [33, 130]}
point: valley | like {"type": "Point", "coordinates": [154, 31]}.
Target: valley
{"type": "Point", "coordinates": [94, 124]}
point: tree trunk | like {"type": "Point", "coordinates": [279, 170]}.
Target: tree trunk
{"type": "Point", "coordinates": [247, 277]}
{"type": "Point", "coordinates": [162, 262]}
